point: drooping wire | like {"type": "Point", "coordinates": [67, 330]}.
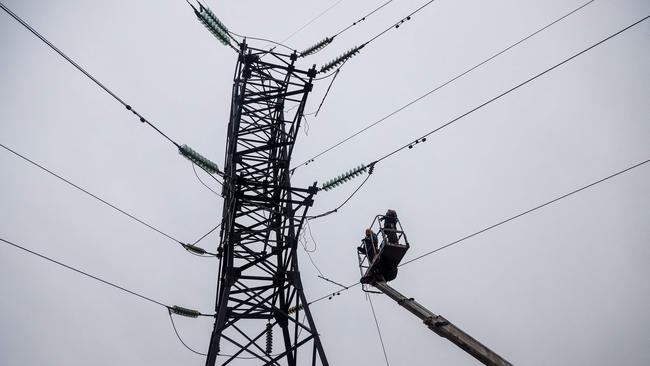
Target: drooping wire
{"type": "Point", "coordinates": [82, 70]}
{"type": "Point", "coordinates": [423, 96]}
{"type": "Point", "coordinates": [142, 222]}
{"type": "Point", "coordinates": [197, 352]}
{"type": "Point", "coordinates": [381, 339]}
{"type": "Point", "coordinates": [410, 144]}
{"type": "Point", "coordinates": [171, 318]}
{"type": "Point", "coordinates": [327, 91]}
{"type": "Point", "coordinates": [303, 241]}
{"type": "Point", "coordinates": [305, 126]}
{"type": "Point", "coordinates": [311, 260]}
{"type": "Point", "coordinates": [311, 235]}
{"type": "Point", "coordinates": [303, 237]}
{"type": "Point", "coordinates": [511, 218]}
{"type": "Point", "coordinates": [202, 182]}
{"type": "Point", "coordinates": [142, 297]}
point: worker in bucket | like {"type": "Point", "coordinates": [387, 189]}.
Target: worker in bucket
{"type": "Point", "coordinates": [369, 245]}
{"type": "Point", "coordinates": [390, 226]}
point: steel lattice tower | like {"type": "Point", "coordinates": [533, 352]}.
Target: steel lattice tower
{"type": "Point", "coordinates": [259, 293]}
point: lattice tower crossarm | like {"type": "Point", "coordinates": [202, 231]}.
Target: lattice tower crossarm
{"type": "Point", "coordinates": [259, 280]}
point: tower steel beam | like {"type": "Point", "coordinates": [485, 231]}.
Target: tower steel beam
{"type": "Point", "coordinates": [259, 291]}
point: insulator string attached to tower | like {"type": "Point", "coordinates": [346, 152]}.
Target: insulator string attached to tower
{"type": "Point", "coordinates": [343, 178]}
{"type": "Point", "coordinates": [213, 24]}
{"type": "Point", "coordinates": [199, 160]}
{"type": "Point", "coordinates": [294, 309]}
{"type": "Point", "coordinates": [316, 47]}
{"type": "Point", "coordinates": [341, 59]}
{"type": "Point", "coordinates": [269, 338]}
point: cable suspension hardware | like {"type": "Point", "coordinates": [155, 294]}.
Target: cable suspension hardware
{"type": "Point", "coordinates": [199, 159]}
{"type": "Point", "coordinates": [343, 178]}
{"type": "Point", "coordinates": [341, 59]}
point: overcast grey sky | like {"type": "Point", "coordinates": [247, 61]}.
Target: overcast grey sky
{"type": "Point", "coordinates": [566, 285]}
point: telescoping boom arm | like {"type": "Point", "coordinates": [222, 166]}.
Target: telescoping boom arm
{"type": "Point", "coordinates": [444, 327]}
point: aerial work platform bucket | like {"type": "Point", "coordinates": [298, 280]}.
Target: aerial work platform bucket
{"type": "Point", "coordinates": [382, 249]}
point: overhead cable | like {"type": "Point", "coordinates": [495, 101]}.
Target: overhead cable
{"type": "Point", "coordinates": [332, 281]}
{"type": "Point", "coordinates": [281, 43]}
{"type": "Point", "coordinates": [363, 18]}
{"type": "Point", "coordinates": [424, 137]}
{"type": "Point", "coordinates": [382, 119]}
{"type": "Point", "coordinates": [525, 212]}
{"type": "Point", "coordinates": [335, 293]}
{"type": "Point", "coordinates": [419, 139]}
{"type": "Point", "coordinates": [355, 50]}
{"type": "Point", "coordinates": [91, 77]}
{"type": "Point", "coordinates": [101, 85]}
{"type": "Point", "coordinates": [142, 297]}
{"type": "Point", "coordinates": [400, 22]}
{"type": "Point", "coordinates": [311, 21]}
{"type": "Point", "coordinates": [170, 309]}
{"type": "Point", "coordinates": [25, 158]}
{"type": "Point", "coordinates": [381, 339]}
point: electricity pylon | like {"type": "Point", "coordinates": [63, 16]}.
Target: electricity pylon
{"type": "Point", "coordinates": [259, 292]}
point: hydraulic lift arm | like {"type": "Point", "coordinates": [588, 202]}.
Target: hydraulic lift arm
{"type": "Point", "coordinates": [444, 327]}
